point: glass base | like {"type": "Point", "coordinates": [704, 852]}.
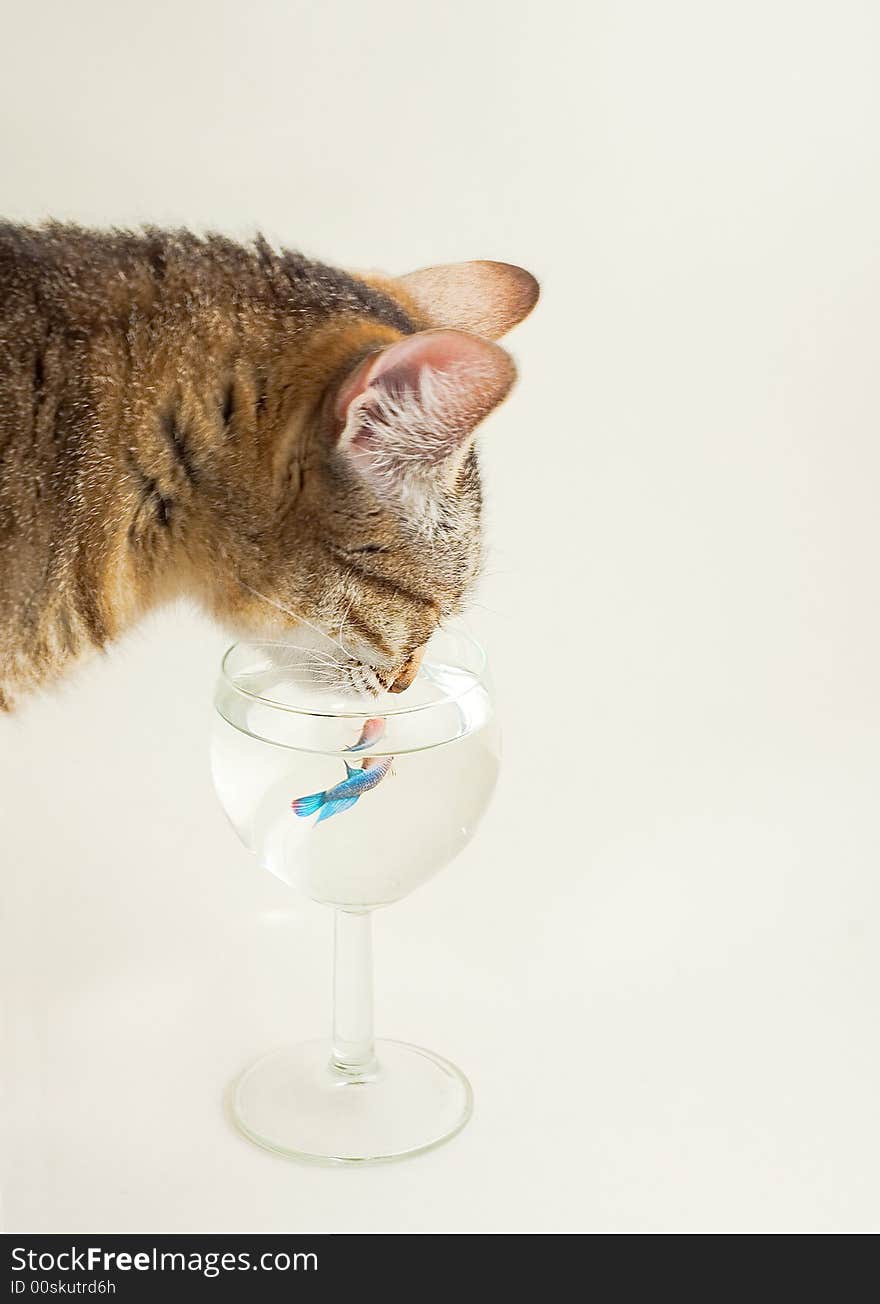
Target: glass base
{"type": "Point", "coordinates": [296, 1102]}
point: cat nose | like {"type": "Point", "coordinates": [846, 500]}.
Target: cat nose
{"type": "Point", "coordinates": [409, 672]}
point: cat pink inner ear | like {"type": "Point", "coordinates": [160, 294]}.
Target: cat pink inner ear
{"type": "Point", "coordinates": [418, 402]}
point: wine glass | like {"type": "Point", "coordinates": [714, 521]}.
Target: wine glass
{"type": "Point", "coordinates": [355, 804]}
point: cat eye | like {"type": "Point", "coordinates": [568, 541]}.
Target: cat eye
{"type": "Point", "coordinates": [341, 550]}
{"type": "Point", "coordinates": [366, 548]}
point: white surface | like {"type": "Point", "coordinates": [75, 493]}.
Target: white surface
{"type": "Point", "coordinates": [663, 982]}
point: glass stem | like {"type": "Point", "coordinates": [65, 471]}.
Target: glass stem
{"type": "Point", "coordinates": [353, 1051]}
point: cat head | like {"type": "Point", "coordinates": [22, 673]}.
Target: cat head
{"type": "Point", "coordinates": [367, 526]}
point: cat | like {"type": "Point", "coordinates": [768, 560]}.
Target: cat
{"type": "Point", "coordinates": [288, 444]}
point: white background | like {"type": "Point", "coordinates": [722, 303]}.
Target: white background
{"type": "Point", "coordinates": [658, 962]}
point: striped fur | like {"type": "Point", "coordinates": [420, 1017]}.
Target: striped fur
{"type": "Point", "coordinates": [167, 428]}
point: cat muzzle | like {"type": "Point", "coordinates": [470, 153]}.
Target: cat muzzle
{"type": "Point", "coordinates": [409, 672]}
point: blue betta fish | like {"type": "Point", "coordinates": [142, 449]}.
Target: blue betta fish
{"type": "Point", "coordinates": [333, 801]}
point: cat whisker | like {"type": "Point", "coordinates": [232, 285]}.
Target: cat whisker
{"type": "Point", "coordinates": [303, 657]}
{"type": "Point", "coordinates": [344, 619]}
{"type": "Point", "coordinates": [316, 673]}
{"type": "Point", "coordinates": [288, 611]}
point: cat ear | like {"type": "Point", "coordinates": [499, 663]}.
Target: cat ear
{"type": "Point", "coordinates": [411, 410]}
{"type": "Point", "coordinates": [485, 298]}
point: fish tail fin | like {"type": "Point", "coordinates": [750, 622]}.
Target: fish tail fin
{"type": "Point", "coordinates": [304, 806]}
{"type": "Point", "coordinates": [336, 807]}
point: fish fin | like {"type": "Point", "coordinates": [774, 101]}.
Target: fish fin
{"type": "Point", "coordinates": [304, 806]}
{"type": "Point", "coordinates": [336, 807]}
{"type": "Point", "coordinates": [351, 769]}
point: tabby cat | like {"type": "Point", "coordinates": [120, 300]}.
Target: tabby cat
{"type": "Point", "coordinates": [286, 443]}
